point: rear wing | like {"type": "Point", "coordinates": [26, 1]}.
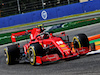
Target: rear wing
{"type": "Point", "coordinates": [14, 35]}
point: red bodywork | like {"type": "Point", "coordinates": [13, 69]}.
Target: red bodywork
{"type": "Point", "coordinates": [53, 42]}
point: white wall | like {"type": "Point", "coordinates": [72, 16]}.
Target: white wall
{"type": "Point", "coordinates": [83, 0]}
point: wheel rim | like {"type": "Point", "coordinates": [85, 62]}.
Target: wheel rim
{"type": "Point", "coordinates": [6, 56]}
{"type": "Point", "coordinates": [6, 59]}
{"type": "Point", "coordinates": [76, 44]}
{"type": "Point", "coordinates": [32, 56]}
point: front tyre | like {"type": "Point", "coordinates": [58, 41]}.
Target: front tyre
{"type": "Point", "coordinates": [35, 49]}
{"type": "Point", "coordinates": [80, 40]}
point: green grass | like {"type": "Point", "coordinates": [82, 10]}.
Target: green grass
{"type": "Point", "coordinates": [76, 24]}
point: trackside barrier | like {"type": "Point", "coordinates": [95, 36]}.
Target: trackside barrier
{"type": "Point", "coordinates": [94, 37]}
{"type": "Point", "coordinates": [91, 5]}
{"type": "Point", "coordinates": [50, 13]}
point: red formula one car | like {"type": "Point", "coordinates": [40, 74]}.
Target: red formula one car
{"type": "Point", "coordinates": [45, 47]}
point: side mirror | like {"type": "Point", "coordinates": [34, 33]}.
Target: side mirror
{"type": "Point", "coordinates": [51, 35]}
{"type": "Point", "coordinates": [63, 33]}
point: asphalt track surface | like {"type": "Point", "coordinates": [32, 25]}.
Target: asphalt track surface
{"type": "Point", "coordinates": [85, 65]}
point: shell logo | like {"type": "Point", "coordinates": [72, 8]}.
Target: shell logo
{"type": "Point", "coordinates": [40, 43]}
{"type": "Point", "coordinates": [63, 45]}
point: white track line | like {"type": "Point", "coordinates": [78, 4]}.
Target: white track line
{"type": "Point", "coordinates": [93, 52]}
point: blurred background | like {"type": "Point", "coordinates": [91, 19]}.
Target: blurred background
{"type": "Point", "coordinates": [13, 7]}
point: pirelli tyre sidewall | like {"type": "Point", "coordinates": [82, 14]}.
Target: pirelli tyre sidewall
{"type": "Point", "coordinates": [80, 40]}
{"type": "Point", "coordinates": [12, 53]}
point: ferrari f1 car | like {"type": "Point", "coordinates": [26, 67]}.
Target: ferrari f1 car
{"type": "Point", "coordinates": [45, 47]}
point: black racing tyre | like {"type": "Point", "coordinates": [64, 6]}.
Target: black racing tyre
{"type": "Point", "coordinates": [35, 49]}
{"type": "Point", "coordinates": [11, 53]}
{"type": "Point", "coordinates": [80, 40]}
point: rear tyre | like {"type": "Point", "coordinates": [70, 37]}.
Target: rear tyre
{"type": "Point", "coordinates": [12, 54]}
{"type": "Point", "coordinates": [80, 40]}
{"type": "Point", "coordinates": [35, 49]}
